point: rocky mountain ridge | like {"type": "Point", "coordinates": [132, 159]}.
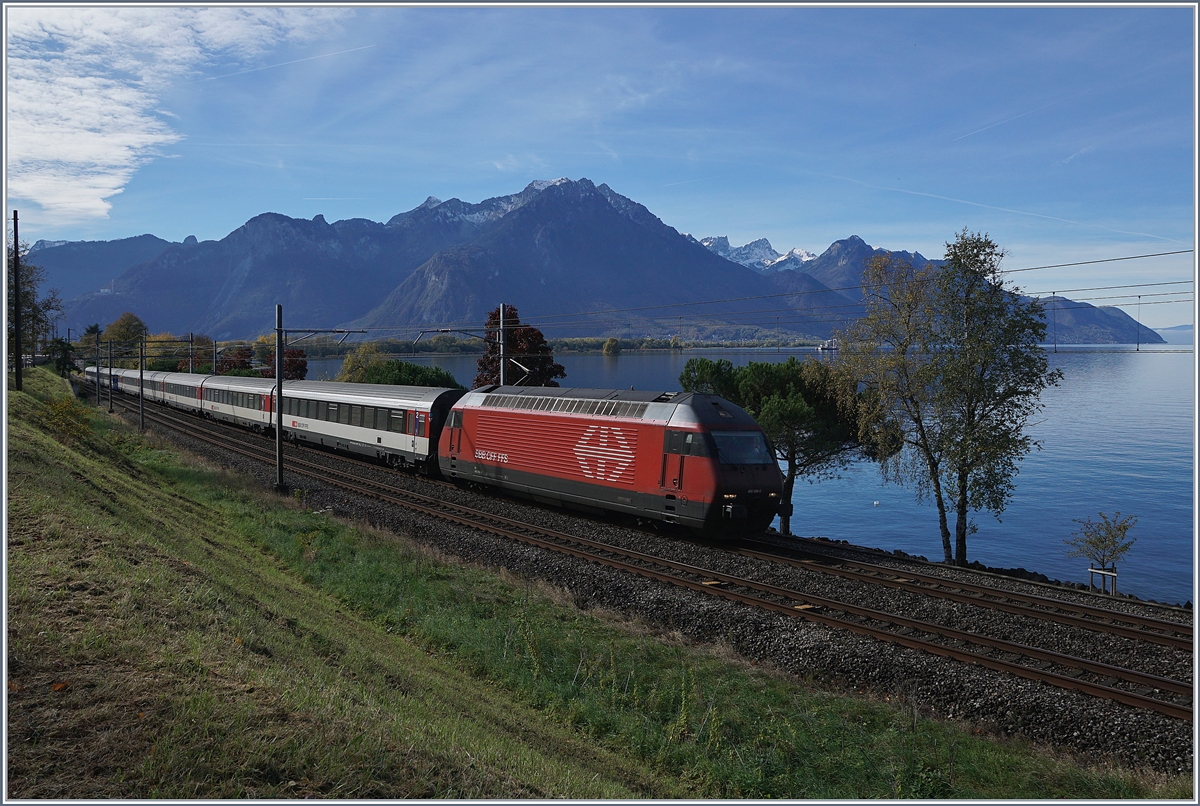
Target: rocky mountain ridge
{"type": "Point", "coordinates": [576, 258]}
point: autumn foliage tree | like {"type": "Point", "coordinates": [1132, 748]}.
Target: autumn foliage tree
{"type": "Point", "coordinates": [951, 357]}
{"type": "Point", "coordinates": [528, 357]}
{"type": "Point", "coordinates": [127, 327]}
{"type": "Point", "coordinates": [234, 359]}
{"type": "Point", "coordinates": [295, 365]}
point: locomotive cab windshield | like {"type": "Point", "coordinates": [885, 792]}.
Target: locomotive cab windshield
{"type": "Point", "coordinates": [742, 448]}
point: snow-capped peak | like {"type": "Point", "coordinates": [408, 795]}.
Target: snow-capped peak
{"type": "Point", "coordinates": [542, 184]}
{"type": "Point", "coordinates": [803, 255]}
{"type": "Point", "coordinates": [755, 255]}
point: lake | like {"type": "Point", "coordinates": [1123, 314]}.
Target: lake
{"type": "Point", "coordinates": [1117, 435]}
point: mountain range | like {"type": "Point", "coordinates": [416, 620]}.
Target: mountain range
{"type": "Point", "coordinates": [575, 258]}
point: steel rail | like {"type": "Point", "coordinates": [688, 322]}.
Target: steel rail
{"type": "Point", "coordinates": [983, 596]}
{"type": "Point", "coordinates": [801, 605]}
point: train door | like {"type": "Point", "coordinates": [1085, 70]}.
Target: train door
{"type": "Point", "coordinates": [454, 443]}
{"type": "Point", "coordinates": [671, 478]}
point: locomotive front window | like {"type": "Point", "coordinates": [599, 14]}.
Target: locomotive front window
{"type": "Point", "coordinates": [742, 448]}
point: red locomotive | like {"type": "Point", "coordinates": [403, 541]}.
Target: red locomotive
{"type": "Point", "coordinates": [692, 459]}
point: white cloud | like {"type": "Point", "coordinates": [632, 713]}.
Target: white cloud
{"type": "Point", "coordinates": [83, 87]}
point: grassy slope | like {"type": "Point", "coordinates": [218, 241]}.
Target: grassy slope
{"type": "Point", "coordinates": [216, 641]}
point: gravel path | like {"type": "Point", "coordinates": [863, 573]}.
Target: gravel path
{"type": "Point", "coordinates": [837, 660]}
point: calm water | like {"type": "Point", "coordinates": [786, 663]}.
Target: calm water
{"type": "Point", "coordinates": [1117, 435]}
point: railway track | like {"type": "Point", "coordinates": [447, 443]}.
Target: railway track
{"type": "Point", "coordinates": [1158, 631]}
{"type": "Point", "coordinates": [1128, 686]}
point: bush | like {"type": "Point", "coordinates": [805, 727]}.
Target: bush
{"type": "Point", "coordinates": [66, 418]}
{"type": "Point", "coordinates": [405, 373]}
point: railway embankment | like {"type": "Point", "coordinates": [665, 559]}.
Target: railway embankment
{"type": "Point", "coordinates": [177, 631]}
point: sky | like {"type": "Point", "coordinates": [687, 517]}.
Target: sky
{"type": "Point", "coordinates": [1067, 134]}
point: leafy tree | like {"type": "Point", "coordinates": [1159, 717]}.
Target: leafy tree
{"type": "Point", "coordinates": [710, 377]}
{"type": "Point", "coordinates": [528, 356]}
{"type": "Point", "coordinates": [1102, 543]}
{"type": "Point", "coordinates": [951, 363]}
{"type": "Point", "coordinates": [203, 349]}
{"type": "Point", "coordinates": [234, 360]}
{"type": "Point", "coordinates": [127, 327]}
{"type": "Point", "coordinates": [61, 353]}
{"type": "Point", "coordinates": [91, 332]}
{"type": "Point", "coordinates": [264, 346]}
{"type": "Point", "coordinates": [38, 313]}
{"type": "Point", "coordinates": [799, 406]}
{"type": "Point", "coordinates": [295, 365]}
{"type": "Point", "coordinates": [357, 361]}
{"type": "Point", "coordinates": [162, 352]}
{"type": "Point", "coordinates": [611, 347]}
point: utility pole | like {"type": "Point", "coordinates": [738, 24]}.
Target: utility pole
{"type": "Point", "coordinates": [1139, 325]}
{"type": "Point", "coordinates": [110, 380]}
{"type": "Point", "coordinates": [142, 384]}
{"type": "Point", "coordinates": [16, 292]}
{"type": "Point", "coordinates": [280, 345]}
{"type": "Point", "coordinates": [191, 353]}
{"type": "Point", "coordinates": [503, 375]}
{"type": "Point", "coordinates": [97, 370]}
{"type": "Point", "coordinates": [279, 340]}
{"type": "Point", "coordinates": [214, 369]}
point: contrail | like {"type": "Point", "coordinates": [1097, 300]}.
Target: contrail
{"type": "Point", "coordinates": [688, 181]}
{"type": "Point", "coordinates": [1001, 123]}
{"type": "Point", "coordinates": [284, 64]}
{"type": "Point", "coordinates": [1004, 209]}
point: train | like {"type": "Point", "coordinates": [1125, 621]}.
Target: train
{"type": "Point", "coordinates": [683, 458]}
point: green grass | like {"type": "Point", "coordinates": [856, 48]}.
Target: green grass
{"type": "Point", "coordinates": [222, 642]}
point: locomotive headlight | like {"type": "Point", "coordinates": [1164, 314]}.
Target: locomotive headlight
{"type": "Point", "coordinates": [730, 496]}
{"type": "Point", "coordinates": [773, 495]}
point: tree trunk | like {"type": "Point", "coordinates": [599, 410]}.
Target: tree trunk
{"type": "Point", "coordinates": [943, 523]}
{"type": "Point", "coordinates": [960, 525]}
{"type": "Point", "coordinates": [789, 483]}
